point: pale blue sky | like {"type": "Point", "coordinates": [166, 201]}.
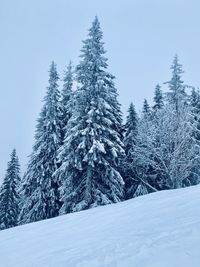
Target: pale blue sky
{"type": "Point", "coordinates": [141, 37]}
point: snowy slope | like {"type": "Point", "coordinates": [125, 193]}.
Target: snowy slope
{"type": "Point", "coordinates": [157, 230]}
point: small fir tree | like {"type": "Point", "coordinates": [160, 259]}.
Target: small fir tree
{"type": "Point", "coordinates": [158, 98]}
{"type": "Point", "coordinates": [130, 136]}
{"type": "Point", "coordinates": [9, 194]}
{"type": "Point", "coordinates": [146, 108]}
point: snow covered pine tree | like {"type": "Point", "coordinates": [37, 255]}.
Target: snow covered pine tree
{"type": "Point", "coordinates": [92, 147]}
{"type": "Point", "coordinates": [129, 143]}
{"type": "Point", "coordinates": [176, 95]}
{"type": "Point", "coordinates": [40, 190]}
{"type": "Point", "coordinates": [9, 194]}
{"type": "Point", "coordinates": [158, 98]}
{"type": "Point", "coordinates": [67, 96]}
{"type": "Point", "coordinates": [146, 110]}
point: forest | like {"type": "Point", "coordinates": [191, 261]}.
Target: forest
{"type": "Point", "coordinates": [85, 155]}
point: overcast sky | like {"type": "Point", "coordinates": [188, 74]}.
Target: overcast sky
{"type": "Point", "coordinates": [141, 38]}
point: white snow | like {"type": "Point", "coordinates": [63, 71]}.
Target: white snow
{"type": "Point", "coordinates": [157, 230]}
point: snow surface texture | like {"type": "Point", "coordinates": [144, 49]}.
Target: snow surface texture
{"type": "Point", "coordinates": [157, 230]}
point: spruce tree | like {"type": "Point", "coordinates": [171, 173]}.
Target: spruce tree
{"type": "Point", "coordinates": [176, 95]}
{"type": "Point", "coordinates": [158, 98]}
{"type": "Point", "coordinates": [9, 194]}
{"type": "Point", "coordinates": [67, 95]}
{"type": "Point", "coordinates": [40, 189]}
{"type": "Point", "coordinates": [92, 147]}
{"type": "Point", "coordinates": [146, 108]}
{"type": "Point", "coordinates": [129, 172]}
{"type": "Point", "coordinates": [131, 129]}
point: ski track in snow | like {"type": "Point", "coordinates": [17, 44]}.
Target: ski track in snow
{"type": "Point", "coordinates": [157, 230]}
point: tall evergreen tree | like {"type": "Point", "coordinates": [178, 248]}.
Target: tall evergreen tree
{"type": "Point", "coordinates": [158, 98]}
{"type": "Point", "coordinates": [92, 145]}
{"type": "Point", "coordinates": [177, 95]}
{"type": "Point", "coordinates": [130, 138]}
{"type": "Point", "coordinates": [40, 189]}
{"type": "Point", "coordinates": [9, 195]}
{"type": "Point", "coordinates": [67, 94]}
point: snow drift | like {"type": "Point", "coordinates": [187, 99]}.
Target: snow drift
{"type": "Point", "coordinates": [157, 230]}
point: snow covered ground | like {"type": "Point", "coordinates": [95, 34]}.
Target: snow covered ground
{"type": "Point", "coordinates": [157, 230]}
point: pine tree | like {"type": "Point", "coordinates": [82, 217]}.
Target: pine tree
{"type": "Point", "coordinates": [131, 129]}
{"type": "Point", "coordinates": [146, 108]}
{"type": "Point", "coordinates": [92, 146]}
{"type": "Point", "coordinates": [67, 95]}
{"type": "Point", "coordinates": [177, 95]}
{"type": "Point", "coordinates": [130, 137]}
{"type": "Point", "coordinates": [40, 189]}
{"type": "Point", "coordinates": [9, 195]}
{"type": "Point", "coordinates": [158, 98]}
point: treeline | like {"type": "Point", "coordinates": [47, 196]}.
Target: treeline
{"type": "Point", "coordinates": [84, 156]}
